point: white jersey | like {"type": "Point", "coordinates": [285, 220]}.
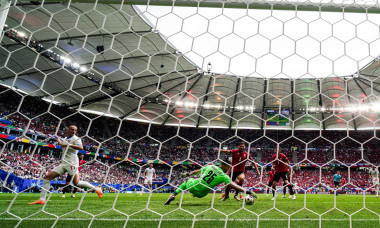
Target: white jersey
{"type": "Point", "coordinates": [71, 154]}
{"type": "Point", "coordinates": [149, 173]}
{"type": "Point", "coordinates": [374, 173]}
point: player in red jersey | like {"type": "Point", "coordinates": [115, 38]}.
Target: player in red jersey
{"type": "Point", "coordinates": [67, 187]}
{"type": "Point", "coordinates": [271, 176]}
{"type": "Point", "coordinates": [344, 181]}
{"type": "Point", "coordinates": [239, 157]}
{"type": "Point", "coordinates": [280, 166]}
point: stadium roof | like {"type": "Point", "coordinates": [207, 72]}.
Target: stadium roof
{"type": "Point", "coordinates": [140, 76]}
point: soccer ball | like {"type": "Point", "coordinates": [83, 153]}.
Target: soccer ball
{"type": "Point", "coordinates": [249, 200]}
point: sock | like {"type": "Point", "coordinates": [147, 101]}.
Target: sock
{"type": "Point", "coordinates": [237, 192]}
{"type": "Point", "coordinates": [85, 184]}
{"type": "Point", "coordinates": [267, 190]}
{"type": "Point", "coordinates": [274, 191]}
{"type": "Point", "coordinates": [45, 188]}
{"type": "Point", "coordinates": [66, 189]}
{"type": "Point", "coordinates": [181, 188]}
{"type": "Point", "coordinates": [75, 190]}
{"type": "Point", "coordinates": [227, 191]}
{"type": "Point", "coordinates": [290, 186]}
{"type": "Point", "coordinates": [284, 191]}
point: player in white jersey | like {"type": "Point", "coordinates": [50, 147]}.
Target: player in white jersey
{"type": "Point", "coordinates": [374, 175]}
{"type": "Point", "coordinates": [70, 163]}
{"type": "Point", "coordinates": [148, 176]}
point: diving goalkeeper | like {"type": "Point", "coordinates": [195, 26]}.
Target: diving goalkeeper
{"type": "Point", "coordinates": [211, 176]}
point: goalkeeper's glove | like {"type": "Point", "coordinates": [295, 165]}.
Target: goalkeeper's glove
{"type": "Point", "coordinates": [183, 175]}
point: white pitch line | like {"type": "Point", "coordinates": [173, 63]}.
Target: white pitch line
{"type": "Point", "coordinates": [173, 219]}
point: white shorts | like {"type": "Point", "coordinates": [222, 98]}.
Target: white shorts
{"type": "Point", "coordinates": [148, 181]}
{"type": "Point", "coordinates": [66, 167]}
{"type": "Point", "coordinates": [375, 181]}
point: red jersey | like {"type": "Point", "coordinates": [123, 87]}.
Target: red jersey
{"type": "Point", "coordinates": [271, 175]}
{"type": "Point", "coordinates": [280, 166]}
{"type": "Point", "coordinates": [81, 163]}
{"type": "Point", "coordinates": [238, 160]}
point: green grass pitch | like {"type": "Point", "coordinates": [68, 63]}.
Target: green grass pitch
{"type": "Point", "coordinates": [132, 210]}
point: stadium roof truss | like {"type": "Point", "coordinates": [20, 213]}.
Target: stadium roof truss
{"type": "Point", "coordinates": [140, 75]}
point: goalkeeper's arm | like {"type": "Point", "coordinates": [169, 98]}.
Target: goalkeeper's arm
{"type": "Point", "coordinates": [193, 173]}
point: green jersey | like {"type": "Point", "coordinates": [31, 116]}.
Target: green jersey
{"type": "Point", "coordinates": [211, 177]}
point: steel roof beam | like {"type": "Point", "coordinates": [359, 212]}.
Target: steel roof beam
{"type": "Point", "coordinates": [234, 103]}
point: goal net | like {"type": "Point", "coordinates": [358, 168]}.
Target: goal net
{"type": "Point", "coordinates": [177, 85]}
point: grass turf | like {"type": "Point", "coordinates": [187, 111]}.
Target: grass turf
{"type": "Point", "coordinates": [133, 210]}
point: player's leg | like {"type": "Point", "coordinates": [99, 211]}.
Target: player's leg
{"type": "Point", "coordinates": [336, 188]}
{"type": "Point", "coordinates": [74, 191]}
{"type": "Point", "coordinates": [276, 179]}
{"type": "Point", "coordinates": [65, 189]}
{"type": "Point", "coordinates": [223, 196]}
{"type": "Point", "coordinates": [291, 191]}
{"type": "Point", "coordinates": [181, 188]}
{"type": "Point", "coordinates": [239, 181]}
{"type": "Point", "coordinates": [226, 194]}
{"type": "Point", "coordinates": [274, 189]}
{"type": "Point", "coordinates": [284, 177]}
{"type": "Point", "coordinates": [142, 189]}
{"type": "Point", "coordinates": [150, 186]}
{"type": "Point", "coordinates": [46, 185]}
{"type": "Point", "coordinates": [284, 190]}
{"type": "Point", "coordinates": [67, 186]}
{"type": "Point", "coordinates": [84, 184]}
{"type": "Point", "coordinates": [269, 187]}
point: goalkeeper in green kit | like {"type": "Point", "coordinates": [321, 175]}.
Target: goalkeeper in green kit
{"type": "Point", "coordinates": [211, 176]}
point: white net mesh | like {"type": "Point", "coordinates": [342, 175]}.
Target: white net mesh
{"type": "Point", "coordinates": [179, 84]}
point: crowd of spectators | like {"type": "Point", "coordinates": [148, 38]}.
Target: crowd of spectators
{"type": "Point", "coordinates": [314, 177]}
{"type": "Point", "coordinates": [35, 166]}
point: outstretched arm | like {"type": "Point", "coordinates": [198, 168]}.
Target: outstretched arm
{"type": "Point", "coordinates": [254, 164]}
{"type": "Point", "coordinates": [193, 173]}
{"type": "Point", "coordinates": [223, 151]}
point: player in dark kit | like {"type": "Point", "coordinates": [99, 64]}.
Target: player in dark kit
{"type": "Point", "coordinates": [239, 157]}
{"type": "Point", "coordinates": [337, 178]}
{"type": "Point", "coordinates": [271, 176]}
{"type": "Point", "coordinates": [67, 187]}
{"type": "Point", "coordinates": [282, 171]}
